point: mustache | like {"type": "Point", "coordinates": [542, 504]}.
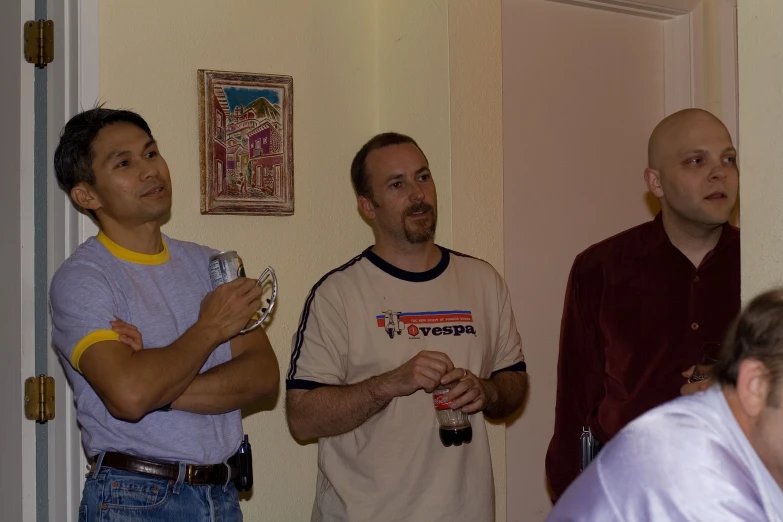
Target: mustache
{"type": "Point", "coordinates": [419, 207]}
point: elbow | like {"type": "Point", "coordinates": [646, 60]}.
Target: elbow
{"type": "Point", "coordinates": [299, 430]}
{"type": "Point", "coordinates": [268, 385]}
{"type": "Point", "coordinates": [126, 415]}
{"type": "Point", "coordinates": [125, 410]}
{"type": "Point", "coordinates": [128, 405]}
{"type": "Point", "coordinates": [270, 388]}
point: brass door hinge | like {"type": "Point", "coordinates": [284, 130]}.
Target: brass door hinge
{"type": "Point", "coordinates": [39, 398]}
{"type": "Point", "coordinates": [39, 42]}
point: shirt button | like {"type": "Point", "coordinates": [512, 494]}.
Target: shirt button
{"type": "Point", "coordinates": [695, 279]}
{"type": "Point", "coordinates": [694, 326]}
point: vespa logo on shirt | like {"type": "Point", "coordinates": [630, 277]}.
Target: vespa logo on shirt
{"type": "Point", "coordinates": [425, 324]}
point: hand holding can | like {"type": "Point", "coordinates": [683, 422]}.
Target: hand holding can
{"type": "Point", "coordinates": [225, 267]}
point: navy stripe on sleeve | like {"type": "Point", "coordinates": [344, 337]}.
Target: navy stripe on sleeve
{"type": "Point", "coordinates": [302, 384]}
{"type": "Point", "coordinates": [518, 367]}
{"type": "Point", "coordinates": [306, 315]}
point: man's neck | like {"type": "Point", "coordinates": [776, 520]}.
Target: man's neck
{"type": "Point", "coordinates": [694, 240]}
{"type": "Point", "coordinates": [409, 257]}
{"type": "Point", "coordinates": [144, 238]}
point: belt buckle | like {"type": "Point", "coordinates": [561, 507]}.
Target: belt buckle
{"type": "Point", "coordinates": [189, 475]}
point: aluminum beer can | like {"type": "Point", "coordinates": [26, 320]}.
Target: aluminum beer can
{"type": "Point", "coordinates": [224, 267]}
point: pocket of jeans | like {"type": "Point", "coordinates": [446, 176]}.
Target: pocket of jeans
{"type": "Point", "coordinates": [123, 490]}
{"type": "Point", "coordinates": [233, 494]}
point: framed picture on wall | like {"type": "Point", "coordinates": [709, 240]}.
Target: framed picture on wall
{"type": "Point", "coordinates": [246, 143]}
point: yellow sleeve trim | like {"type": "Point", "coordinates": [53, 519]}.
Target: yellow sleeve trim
{"type": "Point", "coordinates": [87, 341]}
{"type": "Point", "coordinates": [131, 256]}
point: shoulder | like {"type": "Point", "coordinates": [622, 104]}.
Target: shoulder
{"type": "Point", "coordinates": [678, 425]}
{"type": "Point", "coordinates": [188, 246]}
{"type": "Point", "coordinates": [89, 261]}
{"type": "Point", "coordinates": [476, 265]}
{"type": "Point", "coordinates": [695, 430]}
{"type": "Point", "coordinates": [615, 249]}
{"type": "Point", "coordinates": [86, 276]}
{"type": "Point", "coordinates": [178, 248]}
{"type": "Point", "coordinates": [679, 457]}
{"type": "Point", "coordinates": [348, 273]}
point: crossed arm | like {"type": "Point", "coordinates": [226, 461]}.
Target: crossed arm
{"type": "Point", "coordinates": [252, 373]}
{"type": "Point", "coordinates": [133, 382]}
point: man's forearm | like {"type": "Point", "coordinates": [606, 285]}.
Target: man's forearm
{"type": "Point", "coordinates": [231, 385]}
{"type": "Point", "coordinates": [333, 410]}
{"type": "Point", "coordinates": [132, 384]}
{"type": "Point", "coordinates": [166, 373]}
{"type": "Point", "coordinates": [505, 393]}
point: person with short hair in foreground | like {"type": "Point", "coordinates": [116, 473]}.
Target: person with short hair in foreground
{"type": "Point", "coordinates": [716, 455]}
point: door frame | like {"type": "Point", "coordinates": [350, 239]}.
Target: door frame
{"type": "Point", "coordinates": [25, 336]}
{"type": "Point", "coordinates": [684, 50]}
{"type": "Point", "coordinates": [72, 86]}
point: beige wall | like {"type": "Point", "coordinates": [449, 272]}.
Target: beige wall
{"type": "Point", "coordinates": [359, 67]}
{"type": "Point", "coordinates": [413, 86]}
{"type": "Point", "coordinates": [761, 114]}
{"type": "Point", "coordinates": [575, 147]}
{"type": "Point", "coordinates": [712, 62]}
{"type": "Point", "coordinates": [720, 61]}
{"type": "Point", "coordinates": [477, 156]}
{"type": "Point", "coordinates": [150, 52]}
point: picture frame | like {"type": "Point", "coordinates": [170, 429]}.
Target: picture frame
{"type": "Point", "coordinates": [246, 143]}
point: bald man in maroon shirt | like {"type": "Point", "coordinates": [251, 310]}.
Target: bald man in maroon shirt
{"type": "Point", "coordinates": [641, 305]}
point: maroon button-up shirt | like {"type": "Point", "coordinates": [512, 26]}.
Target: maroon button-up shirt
{"type": "Point", "coordinates": [637, 314]}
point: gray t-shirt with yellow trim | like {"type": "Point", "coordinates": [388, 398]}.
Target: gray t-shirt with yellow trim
{"type": "Point", "coordinates": [161, 295]}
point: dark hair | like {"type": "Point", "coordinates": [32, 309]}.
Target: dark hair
{"type": "Point", "coordinates": [73, 156]}
{"type": "Point", "coordinates": [359, 178]}
{"type": "Point", "coordinates": [756, 334]}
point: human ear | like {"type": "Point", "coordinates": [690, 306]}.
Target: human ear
{"type": "Point", "coordinates": [85, 197]}
{"type": "Point", "coordinates": [653, 179]}
{"type": "Point", "coordinates": [753, 386]}
{"type": "Point", "coordinates": [366, 207]}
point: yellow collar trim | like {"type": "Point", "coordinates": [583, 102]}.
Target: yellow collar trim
{"type": "Point", "coordinates": [131, 256]}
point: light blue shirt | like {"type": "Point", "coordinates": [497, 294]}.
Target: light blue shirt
{"type": "Point", "coordinates": [687, 460]}
{"type": "Point", "coordinates": [161, 295]}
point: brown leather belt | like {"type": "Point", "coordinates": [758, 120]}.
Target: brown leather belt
{"type": "Point", "coordinates": [196, 475]}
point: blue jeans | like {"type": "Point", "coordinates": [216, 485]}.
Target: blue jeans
{"type": "Point", "coordinates": [111, 495]}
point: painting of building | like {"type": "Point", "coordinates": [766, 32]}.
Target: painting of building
{"type": "Point", "coordinates": [246, 137]}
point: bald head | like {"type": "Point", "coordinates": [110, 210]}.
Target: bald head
{"type": "Point", "coordinates": [693, 170]}
{"type": "Point", "coordinates": [671, 132]}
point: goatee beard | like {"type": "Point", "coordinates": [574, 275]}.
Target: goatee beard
{"type": "Point", "coordinates": [425, 232]}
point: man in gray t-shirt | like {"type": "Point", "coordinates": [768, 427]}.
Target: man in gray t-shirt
{"type": "Point", "coordinates": [158, 367]}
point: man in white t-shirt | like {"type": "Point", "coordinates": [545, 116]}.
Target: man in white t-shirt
{"type": "Point", "coordinates": [379, 334]}
{"type": "Point", "coordinates": [715, 455]}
